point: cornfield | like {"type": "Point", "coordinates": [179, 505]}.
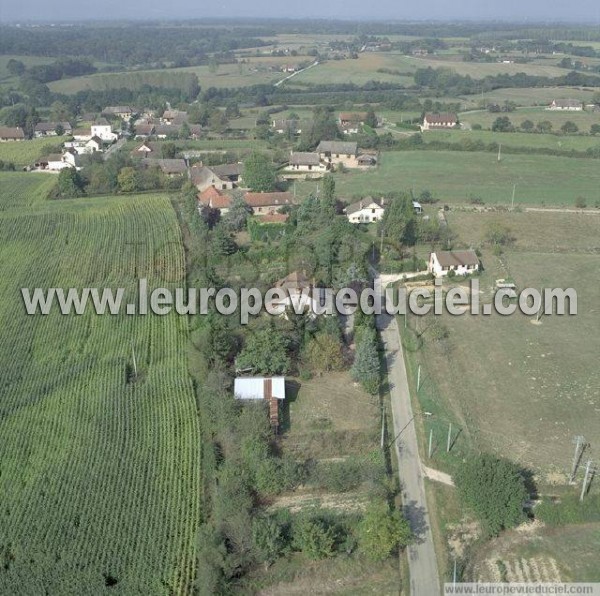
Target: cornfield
{"type": "Point", "coordinates": [99, 469]}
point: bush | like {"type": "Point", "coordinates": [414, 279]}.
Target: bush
{"type": "Point", "coordinates": [312, 537]}
{"type": "Point", "coordinates": [580, 203]}
{"type": "Point", "coordinates": [381, 531]}
{"type": "Point", "coordinates": [494, 488]}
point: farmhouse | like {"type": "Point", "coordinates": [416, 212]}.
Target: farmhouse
{"type": "Point", "coordinates": [146, 149]}
{"type": "Point", "coordinates": [58, 161]}
{"type": "Point", "coordinates": [439, 121]}
{"type": "Point", "coordinates": [48, 129]}
{"type": "Point", "coordinates": [268, 389]}
{"type": "Point", "coordinates": [8, 133]}
{"type": "Point", "coordinates": [203, 177]}
{"type": "Point", "coordinates": [462, 262]}
{"type": "Point", "coordinates": [230, 172]}
{"type": "Point", "coordinates": [101, 128]}
{"type": "Point", "coordinates": [568, 105]}
{"type": "Point", "coordinates": [176, 117]}
{"type": "Point", "coordinates": [215, 199]}
{"type": "Point", "coordinates": [366, 210]}
{"type": "Point", "coordinates": [123, 112]}
{"type": "Point", "coordinates": [143, 130]}
{"type": "Point", "coordinates": [306, 162]}
{"type": "Point", "coordinates": [268, 202]}
{"type": "Point", "coordinates": [169, 167]}
{"type": "Point", "coordinates": [333, 153]}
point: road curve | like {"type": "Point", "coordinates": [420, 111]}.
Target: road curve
{"type": "Point", "coordinates": [422, 562]}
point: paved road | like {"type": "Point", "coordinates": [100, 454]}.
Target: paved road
{"type": "Point", "coordinates": [278, 83]}
{"type": "Point", "coordinates": [422, 561]}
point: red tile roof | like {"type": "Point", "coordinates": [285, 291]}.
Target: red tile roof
{"type": "Point", "coordinates": [211, 197]}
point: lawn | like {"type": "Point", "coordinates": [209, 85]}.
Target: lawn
{"type": "Point", "coordinates": [535, 386]}
{"type": "Point", "coordinates": [24, 153]}
{"type": "Point", "coordinates": [95, 458]}
{"type": "Point", "coordinates": [455, 177]}
{"type": "Point", "coordinates": [583, 119]}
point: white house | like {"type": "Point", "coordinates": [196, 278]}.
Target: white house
{"type": "Point", "coordinates": [462, 262]}
{"type": "Point", "coordinates": [102, 129]}
{"type": "Point", "coordinates": [306, 162]}
{"type": "Point", "coordinates": [365, 211]}
{"type": "Point", "coordinates": [55, 162]}
{"type": "Point", "coordinates": [439, 121]}
{"type": "Point", "coordinates": [567, 105]}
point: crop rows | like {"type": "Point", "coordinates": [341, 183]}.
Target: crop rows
{"type": "Point", "coordinates": [99, 471]}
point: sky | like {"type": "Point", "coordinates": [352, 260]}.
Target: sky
{"type": "Point", "coordinates": [587, 11]}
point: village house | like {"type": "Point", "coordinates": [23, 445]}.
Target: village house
{"type": "Point", "coordinates": [146, 149]}
{"type": "Point", "coordinates": [568, 105]}
{"type": "Point", "coordinates": [9, 133]}
{"type": "Point", "coordinates": [55, 162]}
{"type": "Point", "coordinates": [306, 163]}
{"type": "Point", "coordinates": [350, 123]}
{"type": "Point", "coordinates": [102, 129]}
{"type": "Point", "coordinates": [143, 130]}
{"type": "Point", "coordinates": [230, 172]}
{"type": "Point", "coordinates": [333, 153]}
{"type": "Point", "coordinates": [366, 210]}
{"type": "Point", "coordinates": [299, 295]}
{"type": "Point", "coordinates": [174, 117]}
{"type": "Point", "coordinates": [93, 145]}
{"type": "Point", "coordinates": [123, 112]}
{"type": "Point", "coordinates": [268, 202]}
{"type": "Point", "coordinates": [215, 199]}
{"type": "Point", "coordinates": [293, 127]}
{"type": "Point", "coordinates": [169, 167]}
{"type": "Point", "coordinates": [203, 177]}
{"type": "Point", "coordinates": [462, 262]}
{"type": "Point", "coordinates": [439, 121]}
{"type": "Point", "coordinates": [48, 129]}
{"type": "Point", "coordinates": [270, 390]}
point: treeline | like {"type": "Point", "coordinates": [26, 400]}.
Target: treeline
{"type": "Point", "coordinates": [130, 45]}
{"type": "Point", "coordinates": [446, 81]}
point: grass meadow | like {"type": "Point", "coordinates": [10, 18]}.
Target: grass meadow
{"type": "Point", "coordinates": [456, 177]}
{"type": "Point", "coordinates": [94, 457]}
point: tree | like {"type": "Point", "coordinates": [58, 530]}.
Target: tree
{"type": "Point", "coordinates": [213, 65]}
{"type": "Point", "coordinates": [527, 125]}
{"type": "Point", "coordinates": [238, 214]}
{"type": "Point", "coordinates": [495, 489]}
{"type": "Point", "coordinates": [324, 353]}
{"type": "Point", "coordinates": [210, 216]}
{"type": "Point", "coordinates": [268, 538]}
{"type": "Point", "coordinates": [259, 173]}
{"type": "Point", "coordinates": [544, 126]}
{"type": "Point", "coordinates": [70, 184]}
{"type": "Point", "coordinates": [222, 244]}
{"type": "Point", "coordinates": [313, 538]}
{"type": "Point", "coordinates": [399, 220]}
{"type": "Point", "coordinates": [595, 129]}
{"type": "Point", "coordinates": [184, 131]}
{"type": "Point", "coordinates": [265, 352]}
{"type": "Point", "coordinates": [381, 531]}
{"type": "Point", "coordinates": [502, 124]}
{"type": "Point", "coordinates": [127, 179]}
{"type": "Point", "coordinates": [328, 196]}
{"type": "Point", "coordinates": [15, 67]}
{"type": "Point", "coordinates": [569, 127]}
{"type": "Point", "coordinates": [365, 369]}
{"type": "Point", "coordinates": [498, 234]}
{"type": "Point", "coordinates": [169, 150]}
{"type": "Point", "coordinates": [371, 118]}
{"type": "Point", "coordinates": [59, 130]}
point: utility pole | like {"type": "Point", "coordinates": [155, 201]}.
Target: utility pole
{"type": "Point", "coordinates": [430, 443]}
{"type": "Point", "coordinates": [449, 438]}
{"type": "Point", "coordinates": [585, 479]}
{"type": "Point", "coordinates": [539, 312]}
{"type": "Point", "coordinates": [418, 378]}
{"type": "Point", "coordinates": [382, 424]}
{"type": "Point", "coordinates": [134, 359]}
{"type": "Point", "coordinates": [512, 203]}
{"type": "Point", "coordinates": [500, 152]}
{"type": "Point", "coordinates": [579, 442]}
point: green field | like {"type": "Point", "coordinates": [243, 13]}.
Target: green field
{"type": "Point", "coordinates": [7, 79]}
{"type": "Point", "coordinates": [99, 468]}
{"type": "Point", "coordinates": [24, 153]}
{"type": "Point", "coordinates": [515, 388]}
{"type": "Point", "coordinates": [582, 119]}
{"type": "Point", "coordinates": [455, 177]}
{"type": "Point", "coordinates": [534, 96]}
{"type": "Point", "coordinates": [559, 142]}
